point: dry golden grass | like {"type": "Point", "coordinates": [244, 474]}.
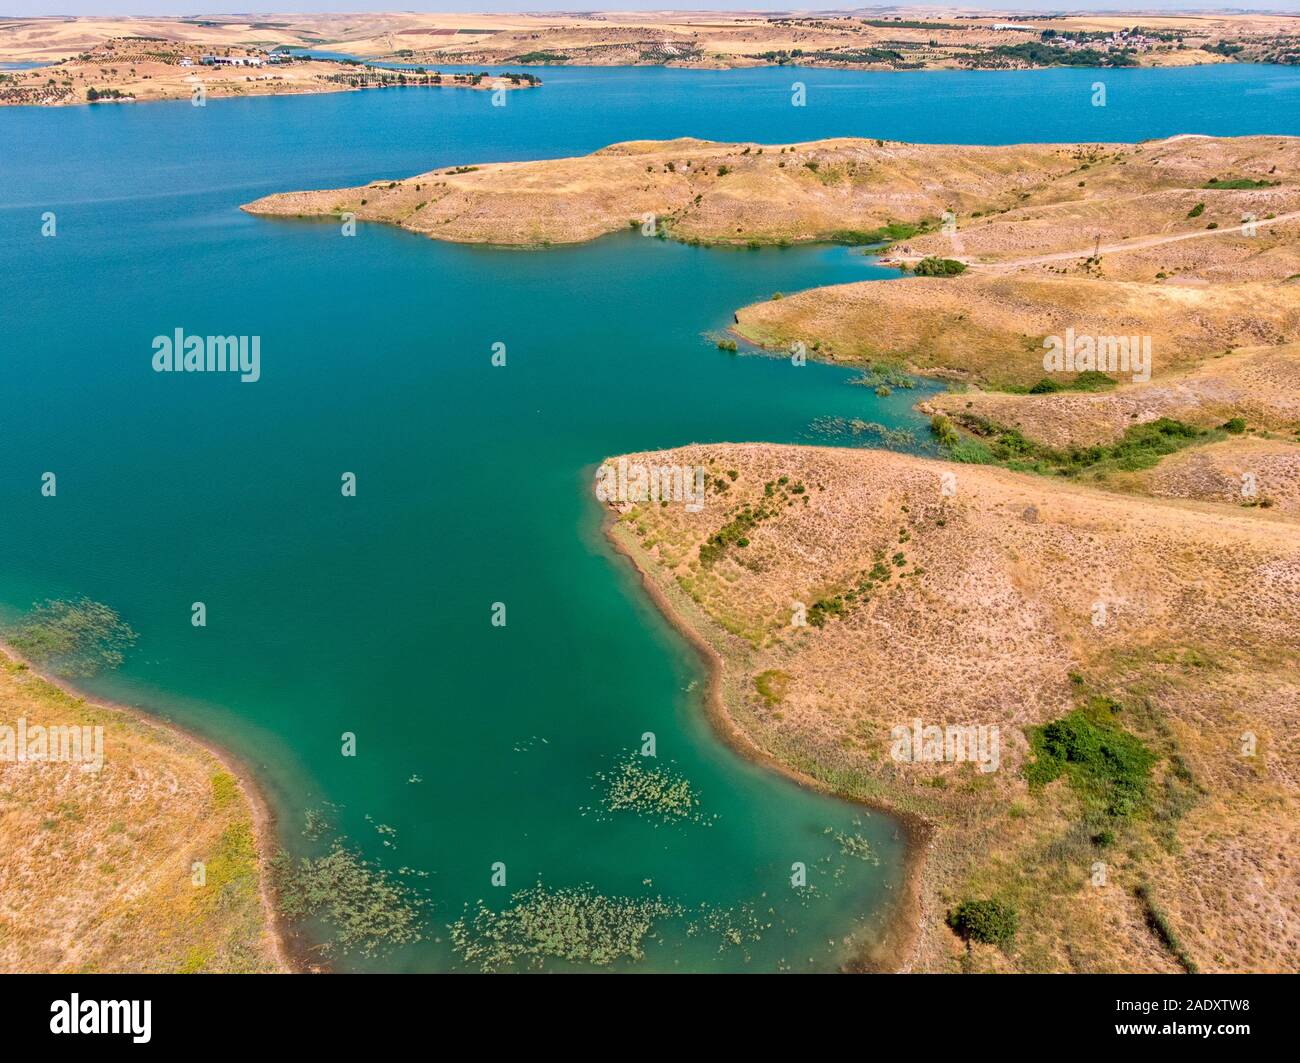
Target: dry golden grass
{"type": "Point", "coordinates": [703, 190]}
{"type": "Point", "coordinates": [1011, 204]}
{"type": "Point", "coordinates": [990, 620]}
{"type": "Point", "coordinates": [1247, 471]}
{"type": "Point", "coordinates": [1131, 199]}
{"type": "Point", "coordinates": [96, 871]}
{"type": "Point", "coordinates": [1260, 384]}
{"type": "Point", "coordinates": [989, 328]}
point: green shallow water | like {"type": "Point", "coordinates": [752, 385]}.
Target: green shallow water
{"type": "Point", "coordinates": [371, 614]}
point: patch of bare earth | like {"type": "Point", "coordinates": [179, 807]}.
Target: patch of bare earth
{"type": "Point", "coordinates": [980, 607]}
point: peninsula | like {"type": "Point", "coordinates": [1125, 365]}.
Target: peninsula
{"type": "Point", "coordinates": [1101, 567]}
{"type": "Point", "coordinates": [130, 69]}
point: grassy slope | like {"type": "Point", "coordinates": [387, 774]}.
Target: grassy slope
{"type": "Point", "coordinates": [697, 190]}
{"type": "Point", "coordinates": [989, 328]}
{"type": "Point", "coordinates": [989, 620]}
{"type": "Point", "coordinates": [96, 874]}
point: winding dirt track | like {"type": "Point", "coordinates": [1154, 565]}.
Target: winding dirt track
{"type": "Point", "coordinates": [1105, 249]}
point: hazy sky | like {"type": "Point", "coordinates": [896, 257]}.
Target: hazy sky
{"type": "Point", "coordinates": [12, 8]}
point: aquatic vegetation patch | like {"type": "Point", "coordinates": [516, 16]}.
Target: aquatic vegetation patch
{"type": "Point", "coordinates": [73, 638]}
{"type": "Point", "coordinates": [639, 784]}
{"type": "Point", "coordinates": [856, 846]}
{"type": "Point", "coordinates": [875, 434]}
{"type": "Point", "coordinates": [366, 908]}
{"type": "Point", "coordinates": [734, 927]}
{"type": "Point", "coordinates": [576, 925]}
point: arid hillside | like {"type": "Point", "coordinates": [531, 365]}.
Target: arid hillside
{"type": "Point", "coordinates": [846, 189]}
{"type": "Point", "coordinates": [1260, 385]}
{"type": "Point", "coordinates": [848, 593]}
{"type": "Point", "coordinates": [692, 190]}
{"type": "Point", "coordinates": [152, 863]}
{"type": "Point", "coordinates": [989, 328]}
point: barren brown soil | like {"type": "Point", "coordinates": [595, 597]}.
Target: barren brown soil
{"type": "Point", "coordinates": [989, 617]}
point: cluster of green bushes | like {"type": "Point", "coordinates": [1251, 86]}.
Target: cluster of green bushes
{"type": "Point", "coordinates": [1037, 54]}
{"type": "Point", "coordinates": [938, 267]}
{"type": "Point", "coordinates": [1141, 447]}
{"type": "Point", "coordinates": [1088, 380]}
{"type": "Point", "coordinates": [885, 234]}
{"type": "Point", "coordinates": [942, 428]}
{"type": "Point", "coordinates": [733, 533]}
{"type": "Point", "coordinates": [1108, 766]}
{"type": "Point", "coordinates": [855, 55]}
{"type": "Point", "coordinates": [1238, 182]}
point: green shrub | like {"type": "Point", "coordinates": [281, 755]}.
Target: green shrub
{"type": "Point", "coordinates": [989, 922]}
{"type": "Point", "coordinates": [942, 428]}
{"type": "Point", "coordinates": [1238, 182]}
{"type": "Point", "coordinates": [1108, 766]}
{"type": "Point", "coordinates": [938, 267]}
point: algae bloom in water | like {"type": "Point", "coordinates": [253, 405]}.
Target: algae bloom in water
{"type": "Point", "coordinates": [73, 638]}
{"type": "Point", "coordinates": [576, 925]}
{"type": "Point", "coordinates": [637, 784]}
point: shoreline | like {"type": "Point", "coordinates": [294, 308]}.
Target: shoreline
{"type": "Point", "coordinates": [289, 955]}
{"type": "Point", "coordinates": [902, 935]}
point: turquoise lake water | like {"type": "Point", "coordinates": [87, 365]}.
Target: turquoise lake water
{"type": "Point", "coordinates": [371, 614]}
